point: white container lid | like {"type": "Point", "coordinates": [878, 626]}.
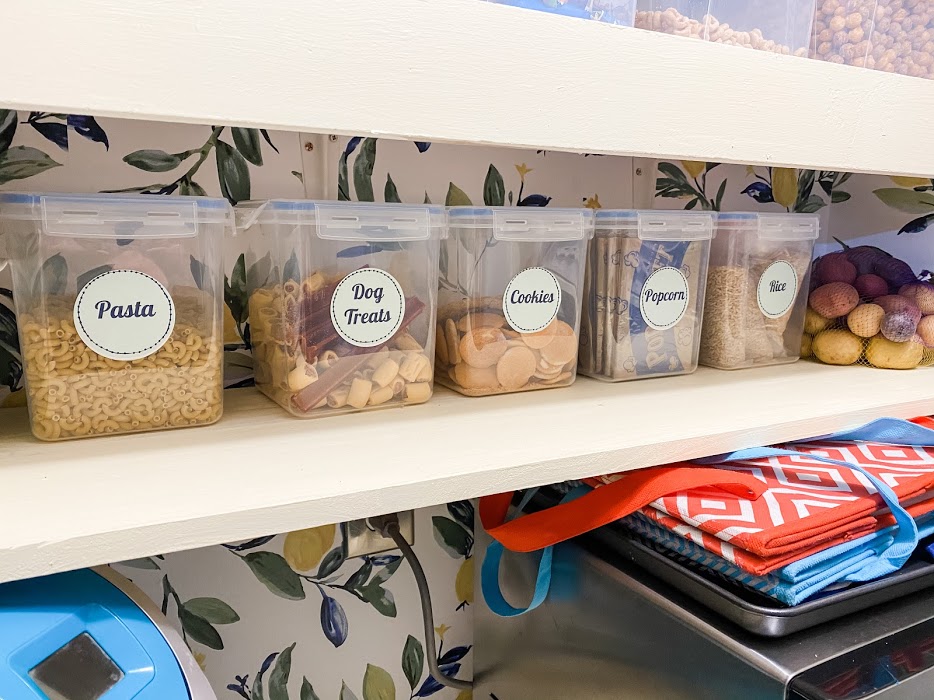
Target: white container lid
{"type": "Point", "coordinates": [114, 216]}
{"type": "Point", "coordinates": [348, 221]}
{"type": "Point", "coordinates": [525, 223]}
{"type": "Point", "coordinates": [771, 227]}
{"type": "Point", "coordinates": [652, 225]}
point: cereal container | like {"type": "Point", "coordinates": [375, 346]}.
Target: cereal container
{"type": "Point", "coordinates": [777, 26]}
{"type": "Point", "coordinates": [119, 303]}
{"type": "Point", "coordinates": [342, 302]}
{"type": "Point", "coordinates": [757, 287]}
{"type": "Point", "coordinates": [644, 294]}
{"type": "Point", "coordinates": [509, 300]}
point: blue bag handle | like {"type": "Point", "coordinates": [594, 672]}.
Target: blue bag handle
{"type": "Point", "coordinates": [891, 431]}
{"type": "Point", "coordinates": [489, 571]}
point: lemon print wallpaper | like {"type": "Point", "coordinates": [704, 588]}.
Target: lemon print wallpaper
{"type": "Point", "coordinates": [286, 615]}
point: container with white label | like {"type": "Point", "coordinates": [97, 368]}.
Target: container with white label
{"type": "Point", "coordinates": [509, 298]}
{"type": "Point", "coordinates": [119, 303]}
{"type": "Point", "coordinates": [342, 302]}
{"type": "Point", "coordinates": [757, 289]}
{"type": "Point", "coordinates": [644, 294]}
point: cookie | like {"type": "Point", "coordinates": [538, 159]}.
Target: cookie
{"type": "Point", "coordinates": [560, 379]}
{"type": "Point", "coordinates": [540, 339]}
{"type": "Point", "coordinates": [441, 346]}
{"type": "Point", "coordinates": [480, 320]}
{"type": "Point", "coordinates": [452, 339]}
{"type": "Point", "coordinates": [482, 347]}
{"type": "Point", "coordinates": [475, 377]}
{"type": "Point", "coordinates": [563, 346]}
{"type": "Point", "coordinates": [515, 368]}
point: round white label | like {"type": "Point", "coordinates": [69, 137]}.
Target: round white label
{"type": "Point", "coordinates": [664, 298]}
{"type": "Point", "coordinates": [531, 300]}
{"type": "Point", "coordinates": [778, 288]}
{"type": "Point", "coordinates": [124, 315]}
{"type": "Point", "coordinates": [367, 307]}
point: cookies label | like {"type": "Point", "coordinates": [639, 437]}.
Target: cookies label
{"type": "Point", "coordinates": [664, 298]}
{"type": "Point", "coordinates": [367, 307]}
{"type": "Point", "coordinates": [778, 288]}
{"type": "Point", "coordinates": [531, 300]}
{"type": "Point", "coordinates": [124, 315]}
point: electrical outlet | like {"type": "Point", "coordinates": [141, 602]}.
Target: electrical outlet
{"type": "Point", "coordinates": [360, 538]}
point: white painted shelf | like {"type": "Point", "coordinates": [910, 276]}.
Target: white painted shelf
{"type": "Point", "coordinates": [73, 504]}
{"type": "Point", "coordinates": [462, 71]}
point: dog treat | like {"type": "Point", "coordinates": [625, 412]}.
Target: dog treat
{"type": "Point", "coordinates": [304, 364]}
{"type": "Point", "coordinates": [75, 392]}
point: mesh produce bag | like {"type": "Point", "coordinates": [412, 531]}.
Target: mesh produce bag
{"type": "Point", "coordinates": [868, 307]}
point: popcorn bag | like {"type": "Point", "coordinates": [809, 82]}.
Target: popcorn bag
{"type": "Point", "coordinates": [870, 308]}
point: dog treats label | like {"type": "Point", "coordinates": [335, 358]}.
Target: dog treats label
{"type": "Point", "coordinates": [124, 315]}
{"type": "Point", "coordinates": [778, 288]}
{"type": "Point", "coordinates": [367, 307]}
{"type": "Point", "coordinates": [531, 300]}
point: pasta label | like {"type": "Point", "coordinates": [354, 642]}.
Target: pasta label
{"type": "Point", "coordinates": [367, 307]}
{"type": "Point", "coordinates": [664, 298]}
{"type": "Point", "coordinates": [124, 315]}
{"type": "Point", "coordinates": [531, 300]}
{"type": "Point", "coordinates": [778, 288]}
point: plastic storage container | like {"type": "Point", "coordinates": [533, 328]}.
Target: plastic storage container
{"type": "Point", "coordinates": [510, 292]}
{"type": "Point", "coordinates": [612, 11]}
{"type": "Point", "coordinates": [896, 36]}
{"type": "Point", "coordinates": [644, 294]}
{"type": "Point", "coordinates": [119, 303]}
{"type": "Point", "coordinates": [779, 26]}
{"type": "Point", "coordinates": [757, 287]}
{"type": "Point", "coordinates": [342, 302]}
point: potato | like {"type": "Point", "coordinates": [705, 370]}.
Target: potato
{"type": "Point", "coordinates": [806, 345]}
{"type": "Point", "coordinates": [837, 347]}
{"type": "Point", "coordinates": [814, 323]}
{"type": "Point", "coordinates": [882, 352]}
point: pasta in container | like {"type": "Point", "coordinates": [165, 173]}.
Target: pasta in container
{"type": "Point", "coordinates": [119, 307]}
{"type": "Point", "coordinates": [342, 303]}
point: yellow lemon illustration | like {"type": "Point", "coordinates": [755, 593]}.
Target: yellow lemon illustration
{"type": "Point", "coordinates": [17, 398]}
{"type": "Point", "coordinates": [201, 659]}
{"type": "Point", "coordinates": [231, 336]}
{"type": "Point", "coordinates": [785, 186]}
{"type": "Point", "coordinates": [466, 694]}
{"type": "Point", "coordinates": [463, 584]}
{"type": "Point", "coordinates": [910, 181]}
{"type": "Point", "coordinates": [304, 549]}
{"type": "Point", "coordinates": [693, 167]}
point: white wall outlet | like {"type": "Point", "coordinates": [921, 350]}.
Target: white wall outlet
{"type": "Point", "coordinates": [360, 538]}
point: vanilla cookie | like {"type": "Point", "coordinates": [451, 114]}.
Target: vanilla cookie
{"type": "Point", "coordinates": [453, 340]}
{"type": "Point", "coordinates": [475, 377]}
{"type": "Point", "coordinates": [480, 319]}
{"type": "Point", "coordinates": [482, 347]}
{"type": "Point", "coordinates": [563, 346]}
{"type": "Point", "coordinates": [515, 368]}
{"type": "Point", "coordinates": [441, 346]}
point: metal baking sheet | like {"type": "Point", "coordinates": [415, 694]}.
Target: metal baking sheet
{"type": "Point", "coordinates": [749, 609]}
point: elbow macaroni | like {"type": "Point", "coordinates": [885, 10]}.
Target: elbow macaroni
{"type": "Point", "coordinates": [74, 392]}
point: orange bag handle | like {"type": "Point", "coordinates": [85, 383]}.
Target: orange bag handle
{"type": "Point", "coordinates": [604, 505]}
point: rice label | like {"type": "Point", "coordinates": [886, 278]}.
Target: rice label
{"type": "Point", "coordinates": [664, 298]}
{"type": "Point", "coordinates": [367, 307]}
{"type": "Point", "coordinates": [531, 300]}
{"type": "Point", "coordinates": [778, 289]}
{"type": "Point", "coordinates": [124, 315]}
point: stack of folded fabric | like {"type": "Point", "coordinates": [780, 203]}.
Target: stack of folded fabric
{"type": "Point", "coordinates": [816, 526]}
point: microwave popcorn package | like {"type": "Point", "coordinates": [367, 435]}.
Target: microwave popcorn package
{"type": "Point", "coordinates": [757, 289]}
{"type": "Point", "coordinates": [119, 308]}
{"type": "Point", "coordinates": [342, 302]}
{"type": "Point", "coordinates": [509, 298]}
{"type": "Point", "coordinates": [644, 294]}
